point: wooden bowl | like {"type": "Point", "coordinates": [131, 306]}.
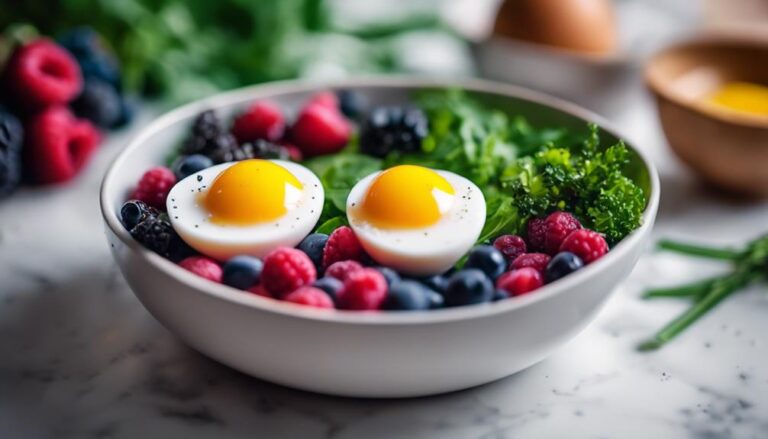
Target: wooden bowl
{"type": "Point", "coordinates": [726, 148]}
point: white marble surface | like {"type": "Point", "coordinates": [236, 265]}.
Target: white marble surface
{"type": "Point", "coordinates": [80, 357]}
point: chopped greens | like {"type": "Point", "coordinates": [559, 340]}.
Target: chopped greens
{"type": "Point", "coordinates": [524, 171]}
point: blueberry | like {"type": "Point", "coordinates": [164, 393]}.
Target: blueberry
{"type": "Point", "coordinates": [127, 110]}
{"type": "Point", "coordinates": [330, 285]}
{"type": "Point", "coordinates": [94, 60]}
{"type": "Point", "coordinates": [487, 259]}
{"type": "Point", "coordinates": [499, 294]}
{"type": "Point", "coordinates": [563, 264]}
{"type": "Point", "coordinates": [242, 272]}
{"type": "Point", "coordinates": [467, 287]}
{"type": "Point", "coordinates": [99, 103]}
{"type": "Point", "coordinates": [389, 274]}
{"type": "Point", "coordinates": [408, 295]}
{"type": "Point", "coordinates": [184, 166]}
{"type": "Point", "coordinates": [436, 300]}
{"type": "Point", "coordinates": [313, 245]}
{"type": "Point", "coordinates": [133, 212]}
{"type": "Point", "coordinates": [351, 103]}
{"type": "Point", "coordinates": [11, 139]}
{"type": "Point", "coordinates": [437, 282]}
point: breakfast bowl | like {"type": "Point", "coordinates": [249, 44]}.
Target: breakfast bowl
{"type": "Point", "coordinates": [726, 148]}
{"type": "Point", "coordinates": [366, 354]}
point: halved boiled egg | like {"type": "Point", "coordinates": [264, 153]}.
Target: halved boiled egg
{"type": "Point", "coordinates": [247, 207]}
{"type": "Point", "coordinates": [414, 219]}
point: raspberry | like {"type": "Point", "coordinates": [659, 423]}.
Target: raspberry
{"type": "Point", "coordinates": [294, 153]}
{"type": "Point", "coordinates": [42, 74]}
{"type": "Point", "coordinates": [320, 130]}
{"type": "Point", "coordinates": [342, 269]}
{"type": "Point", "coordinates": [342, 245]}
{"type": "Point", "coordinates": [286, 269]}
{"type": "Point", "coordinates": [57, 145]}
{"type": "Point", "coordinates": [154, 186]}
{"type": "Point", "coordinates": [537, 261]}
{"type": "Point", "coordinates": [262, 120]}
{"type": "Point", "coordinates": [324, 99]}
{"type": "Point", "coordinates": [535, 233]}
{"type": "Point", "coordinates": [519, 282]}
{"type": "Point", "coordinates": [586, 244]}
{"type": "Point", "coordinates": [310, 296]}
{"type": "Point", "coordinates": [557, 226]}
{"type": "Point", "coordinates": [364, 289]}
{"type": "Point", "coordinates": [259, 290]}
{"type": "Point", "coordinates": [511, 246]}
{"type": "Point", "coordinates": [204, 267]}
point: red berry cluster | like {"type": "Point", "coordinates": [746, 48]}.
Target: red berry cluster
{"type": "Point", "coordinates": [319, 129]}
{"type": "Point", "coordinates": [531, 260]}
{"type": "Point", "coordinates": [289, 275]}
{"type": "Point", "coordinates": [41, 79]}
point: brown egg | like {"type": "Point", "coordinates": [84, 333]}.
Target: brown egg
{"type": "Point", "coordinates": [580, 25]}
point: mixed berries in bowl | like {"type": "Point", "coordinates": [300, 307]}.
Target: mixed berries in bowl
{"type": "Point", "coordinates": [376, 221]}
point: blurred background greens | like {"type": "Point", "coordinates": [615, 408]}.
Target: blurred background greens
{"type": "Point", "coordinates": [183, 49]}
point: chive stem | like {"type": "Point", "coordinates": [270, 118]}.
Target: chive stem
{"type": "Point", "coordinates": [698, 250]}
{"type": "Point", "coordinates": [685, 291]}
{"type": "Point", "coordinates": [719, 290]}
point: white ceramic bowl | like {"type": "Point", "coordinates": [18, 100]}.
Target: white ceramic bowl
{"type": "Point", "coordinates": [362, 354]}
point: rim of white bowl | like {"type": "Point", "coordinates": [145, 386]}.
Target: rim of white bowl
{"type": "Point", "coordinates": [250, 93]}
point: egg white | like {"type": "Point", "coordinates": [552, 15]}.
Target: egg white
{"type": "Point", "coordinates": [192, 222]}
{"type": "Point", "coordinates": [427, 250]}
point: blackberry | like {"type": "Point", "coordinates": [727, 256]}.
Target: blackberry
{"type": "Point", "coordinates": [208, 137]}
{"type": "Point", "coordinates": [11, 140]}
{"type": "Point", "coordinates": [157, 234]}
{"type": "Point", "coordinates": [134, 212]}
{"type": "Point", "coordinates": [251, 150]}
{"type": "Point", "coordinates": [393, 129]}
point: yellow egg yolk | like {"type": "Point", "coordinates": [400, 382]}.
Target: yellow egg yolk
{"type": "Point", "coordinates": [250, 192]}
{"type": "Point", "coordinates": [406, 197]}
{"type": "Point", "coordinates": [743, 97]}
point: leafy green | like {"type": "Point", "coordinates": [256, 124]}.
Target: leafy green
{"type": "Point", "coordinates": [522, 170]}
{"type": "Point", "coordinates": [338, 173]}
{"type": "Point", "coordinates": [183, 49]}
{"type": "Point", "coordinates": [584, 179]}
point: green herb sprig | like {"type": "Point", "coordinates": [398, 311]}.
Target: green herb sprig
{"type": "Point", "coordinates": [750, 265]}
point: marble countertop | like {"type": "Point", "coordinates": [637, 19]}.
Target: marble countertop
{"type": "Point", "coordinates": [81, 358]}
